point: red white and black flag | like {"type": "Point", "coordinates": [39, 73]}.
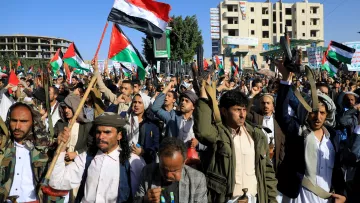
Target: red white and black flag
{"type": "Point", "coordinates": [147, 16]}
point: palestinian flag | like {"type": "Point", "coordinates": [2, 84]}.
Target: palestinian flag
{"type": "Point", "coordinates": [122, 50]}
{"type": "Point", "coordinates": [205, 64]}
{"type": "Point", "coordinates": [328, 67]}
{"type": "Point", "coordinates": [56, 62]}
{"type": "Point", "coordinates": [127, 72]}
{"type": "Point", "coordinates": [147, 16]}
{"type": "Point", "coordinates": [339, 53]}
{"type": "Point", "coordinates": [19, 66]}
{"type": "Point", "coordinates": [219, 66]}
{"type": "Point", "coordinates": [73, 58]}
{"type": "Point", "coordinates": [254, 64]}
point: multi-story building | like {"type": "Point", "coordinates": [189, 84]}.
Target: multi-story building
{"type": "Point", "coordinates": [30, 47]}
{"type": "Point", "coordinates": [248, 28]}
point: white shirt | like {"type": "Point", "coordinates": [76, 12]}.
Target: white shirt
{"type": "Point", "coordinates": [268, 121]}
{"type": "Point", "coordinates": [55, 115]}
{"type": "Point", "coordinates": [325, 165]}
{"type": "Point", "coordinates": [102, 181]}
{"type": "Point", "coordinates": [23, 183]}
{"type": "Point", "coordinates": [186, 132]}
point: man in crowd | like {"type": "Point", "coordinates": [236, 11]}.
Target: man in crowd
{"type": "Point", "coordinates": [266, 118]}
{"type": "Point", "coordinates": [102, 172]}
{"type": "Point", "coordinates": [25, 156]}
{"type": "Point", "coordinates": [136, 86]}
{"type": "Point", "coordinates": [121, 102]}
{"type": "Point", "coordinates": [311, 166]}
{"type": "Point", "coordinates": [171, 180]}
{"type": "Point", "coordinates": [239, 157]}
{"type": "Point", "coordinates": [79, 132]}
{"type": "Point", "coordinates": [179, 124]}
{"type": "Point", "coordinates": [54, 105]}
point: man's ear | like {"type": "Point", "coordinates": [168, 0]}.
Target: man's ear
{"type": "Point", "coordinates": [223, 111]}
{"type": "Point", "coordinates": [119, 136]}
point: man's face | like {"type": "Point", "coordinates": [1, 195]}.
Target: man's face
{"type": "Point", "coordinates": [1, 84]}
{"type": "Point", "coordinates": [266, 105]}
{"type": "Point", "coordinates": [317, 119]}
{"type": "Point", "coordinates": [20, 123]}
{"type": "Point", "coordinates": [107, 138]}
{"type": "Point", "coordinates": [259, 85]}
{"type": "Point", "coordinates": [126, 89]}
{"type": "Point", "coordinates": [349, 100]}
{"type": "Point", "coordinates": [60, 80]}
{"type": "Point", "coordinates": [74, 81]}
{"type": "Point", "coordinates": [324, 90]}
{"type": "Point", "coordinates": [169, 99]}
{"type": "Point", "coordinates": [186, 105]}
{"type": "Point", "coordinates": [68, 112]}
{"type": "Point", "coordinates": [305, 78]}
{"type": "Point", "coordinates": [337, 85]}
{"type": "Point", "coordinates": [171, 167]}
{"type": "Point", "coordinates": [173, 79]}
{"type": "Point", "coordinates": [138, 105]}
{"type": "Point", "coordinates": [77, 91]}
{"type": "Point", "coordinates": [136, 88]}
{"type": "Point", "coordinates": [52, 95]}
{"type": "Point", "coordinates": [235, 116]}
{"type": "Point", "coordinates": [347, 82]}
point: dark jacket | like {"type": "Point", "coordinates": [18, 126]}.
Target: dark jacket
{"type": "Point", "coordinates": [220, 162]}
{"type": "Point", "coordinates": [149, 136]}
{"type": "Point", "coordinates": [279, 137]}
{"type": "Point", "coordinates": [292, 169]}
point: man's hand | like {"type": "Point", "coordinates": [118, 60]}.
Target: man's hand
{"type": "Point", "coordinates": [338, 198]}
{"type": "Point", "coordinates": [194, 142]}
{"type": "Point", "coordinates": [169, 87]}
{"type": "Point", "coordinates": [286, 75]}
{"type": "Point", "coordinates": [64, 137]}
{"type": "Point", "coordinates": [255, 91]}
{"type": "Point", "coordinates": [120, 99]}
{"type": "Point", "coordinates": [153, 195]}
{"type": "Point", "coordinates": [70, 156]}
{"type": "Point", "coordinates": [136, 150]}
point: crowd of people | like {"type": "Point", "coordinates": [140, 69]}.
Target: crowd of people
{"type": "Point", "coordinates": [230, 138]}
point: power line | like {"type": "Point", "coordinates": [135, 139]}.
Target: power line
{"type": "Point", "coordinates": [340, 4]}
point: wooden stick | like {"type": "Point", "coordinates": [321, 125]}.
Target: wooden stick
{"type": "Point", "coordinates": [73, 120]}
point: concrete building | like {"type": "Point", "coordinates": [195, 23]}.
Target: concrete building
{"type": "Point", "coordinates": [30, 47]}
{"type": "Point", "coordinates": [248, 28]}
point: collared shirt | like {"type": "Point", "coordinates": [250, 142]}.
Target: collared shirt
{"type": "Point", "coordinates": [245, 162]}
{"type": "Point", "coordinates": [23, 183]}
{"type": "Point", "coordinates": [74, 135]}
{"type": "Point", "coordinates": [325, 165]}
{"type": "Point", "coordinates": [268, 121]}
{"type": "Point", "coordinates": [102, 180]}
{"type": "Point", "coordinates": [186, 132]}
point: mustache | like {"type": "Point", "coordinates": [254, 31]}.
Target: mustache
{"type": "Point", "coordinates": [18, 131]}
{"type": "Point", "coordinates": [101, 142]}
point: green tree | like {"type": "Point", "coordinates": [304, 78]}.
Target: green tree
{"type": "Point", "coordinates": [185, 37]}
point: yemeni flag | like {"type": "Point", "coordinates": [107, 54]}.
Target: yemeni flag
{"type": "Point", "coordinates": [147, 16]}
{"type": "Point", "coordinates": [73, 58]}
{"type": "Point", "coordinates": [122, 50]}
{"type": "Point", "coordinates": [56, 62]}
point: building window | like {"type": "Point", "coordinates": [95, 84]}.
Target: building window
{"type": "Point", "coordinates": [265, 34]}
{"type": "Point", "coordinates": [314, 10]}
{"type": "Point", "coordinates": [314, 21]}
{"type": "Point", "coordinates": [303, 34]}
{"type": "Point", "coordinates": [288, 22]}
{"type": "Point", "coordinates": [230, 8]}
{"type": "Point", "coordinates": [252, 9]}
{"type": "Point", "coordinates": [281, 19]}
{"type": "Point", "coordinates": [265, 11]}
{"type": "Point", "coordinates": [252, 21]}
{"type": "Point", "coordinates": [312, 33]}
{"type": "Point", "coordinates": [252, 32]}
{"type": "Point", "coordinates": [230, 20]}
{"type": "Point", "coordinates": [303, 22]}
{"type": "Point", "coordinates": [288, 11]}
{"type": "Point", "coordinates": [265, 22]}
{"type": "Point", "coordinates": [303, 11]}
{"type": "Point", "coordinates": [274, 28]}
{"type": "Point", "coordinates": [232, 32]}
{"type": "Point", "coordinates": [274, 16]}
{"type": "Point", "coordinates": [281, 28]}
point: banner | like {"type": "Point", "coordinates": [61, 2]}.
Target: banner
{"type": "Point", "coordinates": [214, 23]}
{"type": "Point", "coordinates": [215, 29]}
{"type": "Point", "coordinates": [314, 57]}
{"type": "Point", "coordinates": [355, 61]}
{"type": "Point", "coordinates": [215, 36]}
{"type": "Point", "coordinates": [243, 9]}
{"type": "Point", "coordinates": [214, 11]}
{"type": "Point", "coordinates": [249, 41]}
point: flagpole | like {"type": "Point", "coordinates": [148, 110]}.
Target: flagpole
{"type": "Point", "coordinates": [101, 39]}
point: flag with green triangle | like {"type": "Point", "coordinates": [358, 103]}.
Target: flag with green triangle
{"type": "Point", "coordinates": [74, 59]}
{"type": "Point", "coordinates": [56, 62]}
{"type": "Point", "coordinates": [122, 50]}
